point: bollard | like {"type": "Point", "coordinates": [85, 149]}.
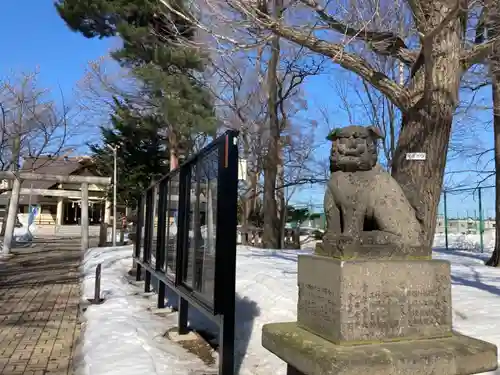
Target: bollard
{"type": "Point", "coordinates": [97, 300]}
{"type": "Point", "coordinates": [103, 234]}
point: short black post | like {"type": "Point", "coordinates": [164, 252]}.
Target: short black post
{"type": "Point", "coordinates": [147, 282]}
{"type": "Point", "coordinates": [161, 295]}
{"type": "Point", "coordinates": [182, 328]}
{"type": "Point", "coordinates": [226, 344]}
{"type": "Point", "coordinates": [138, 275]}
{"type": "Point", "coordinates": [97, 287]}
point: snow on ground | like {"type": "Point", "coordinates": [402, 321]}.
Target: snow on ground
{"type": "Point", "coordinates": [471, 242]}
{"type": "Point", "coordinates": [122, 337]}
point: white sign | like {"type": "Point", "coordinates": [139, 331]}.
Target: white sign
{"type": "Point", "coordinates": [416, 156]}
{"type": "Point", "coordinates": [242, 169]}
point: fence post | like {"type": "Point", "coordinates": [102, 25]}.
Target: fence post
{"type": "Point", "coordinates": [481, 224]}
{"type": "Point", "coordinates": [182, 244]}
{"type": "Point", "coordinates": [160, 243]}
{"type": "Point", "coordinates": [445, 221]}
{"type": "Point", "coordinates": [148, 236]}
{"type": "Point", "coordinates": [225, 254]}
{"type": "Point", "coordinates": [138, 236]}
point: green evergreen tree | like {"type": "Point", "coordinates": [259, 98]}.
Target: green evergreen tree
{"type": "Point", "coordinates": [141, 154]}
{"type": "Point", "coordinates": [154, 49]}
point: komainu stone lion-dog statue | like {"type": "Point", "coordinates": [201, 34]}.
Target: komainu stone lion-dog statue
{"type": "Point", "coordinates": [364, 206]}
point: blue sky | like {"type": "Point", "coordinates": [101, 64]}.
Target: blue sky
{"type": "Point", "coordinates": [33, 34]}
{"type": "Point", "coordinates": [471, 130]}
{"type": "Point", "coordinates": [62, 56]}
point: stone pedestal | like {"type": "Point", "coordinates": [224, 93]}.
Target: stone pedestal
{"type": "Point", "coordinates": [374, 300]}
{"type": "Point", "coordinates": [369, 245]}
{"type": "Point", "coordinates": [309, 354]}
{"type": "Point", "coordinates": [375, 317]}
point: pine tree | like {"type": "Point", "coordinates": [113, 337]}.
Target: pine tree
{"type": "Point", "coordinates": [141, 154]}
{"type": "Point", "coordinates": [154, 49]}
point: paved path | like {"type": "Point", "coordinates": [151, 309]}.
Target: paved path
{"type": "Point", "coordinates": [39, 296]}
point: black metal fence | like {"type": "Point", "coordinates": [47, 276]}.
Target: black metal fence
{"type": "Point", "coordinates": [186, 239]}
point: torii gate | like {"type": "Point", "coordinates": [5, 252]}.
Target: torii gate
{"type": "Point", "coordinates": [18, 177]}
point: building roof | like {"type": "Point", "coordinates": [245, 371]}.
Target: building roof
{"type": "Point", "coordinates": [62, 165]}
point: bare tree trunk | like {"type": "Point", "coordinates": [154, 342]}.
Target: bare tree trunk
{"type": "Point", "coordinates": [11, 218]}
{"type": "Point", "coordinates": [280, 197]}
{"type": "Point", "coordinates": [271, 233]}
{"type": "Point", "coordinates": [494, 261]}
{"type": "Point", "coordinates": [16, 151]}
{"type": "Point", "coordinates": [253, 177]}
{"type": "Point", "coordinates": [426, 127]}
{"type": "Point", "coordinates": [422, 180]}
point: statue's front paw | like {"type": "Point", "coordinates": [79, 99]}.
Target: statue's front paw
{"type": "Point", "coordinates": [419, 215]}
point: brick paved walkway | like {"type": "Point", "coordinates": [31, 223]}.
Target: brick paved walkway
{"type": "Point", "coordinates": [39, 296]}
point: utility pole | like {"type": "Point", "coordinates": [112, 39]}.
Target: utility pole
{"type": "Point", "coordinates": [115, 174]}
{"type": "Point", "coordinates": [5, 214]}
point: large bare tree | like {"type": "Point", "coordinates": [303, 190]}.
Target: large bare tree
{"type": "Point", "coordinates": [31, 124]}
{"type": "Point", "coordinates": [242, 85]}
{"type": "Point", "coordinates": [435, 52]}
{"type": "Point", "coordinates": [490, 27]}
{"type": "Point", "coordinates": [237, 84]}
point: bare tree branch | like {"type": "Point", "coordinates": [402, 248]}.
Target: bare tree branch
{"type": "Point", "coordinates": [396, 93]}
{"type": "Point", "coordinates": [383, 43]}
{"type": "Point", "coordinates": [479, 53]}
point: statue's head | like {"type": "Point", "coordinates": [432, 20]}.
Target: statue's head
{"type": "Point", "coordinates": [354, 148]}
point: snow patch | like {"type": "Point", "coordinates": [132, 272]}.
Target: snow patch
{"type": "Point", "coordinates": [123, 337]}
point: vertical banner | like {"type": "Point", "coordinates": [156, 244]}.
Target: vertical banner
{"type": "Point", "coordinates": [33, 213]}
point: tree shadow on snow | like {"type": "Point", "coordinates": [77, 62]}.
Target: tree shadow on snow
{"type": "Point", "coordinates": [246, 310]}
{"type": "Point", "coordinates": [288, 255]}
{"type": "Point", "coordinates": [476, 283]}
{"type": "Point", "coordinates": [462, 253]}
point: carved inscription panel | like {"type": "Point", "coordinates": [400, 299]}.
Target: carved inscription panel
{"type": "Point", "coordinates": [363, 301]}
{"type": "Point", "coordinates": [379, 314]}
{"type": "Point", "coordinates": [318, 307]}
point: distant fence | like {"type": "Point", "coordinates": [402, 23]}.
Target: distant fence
{"type": "Point", "coordinates": [466, 219]}
{"type": "Point", "coordinates": [252, 236]}
{"type": "Point", "coordinates": [192, 248]}
{"type": "Point", "coordinates": [318, 221]}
